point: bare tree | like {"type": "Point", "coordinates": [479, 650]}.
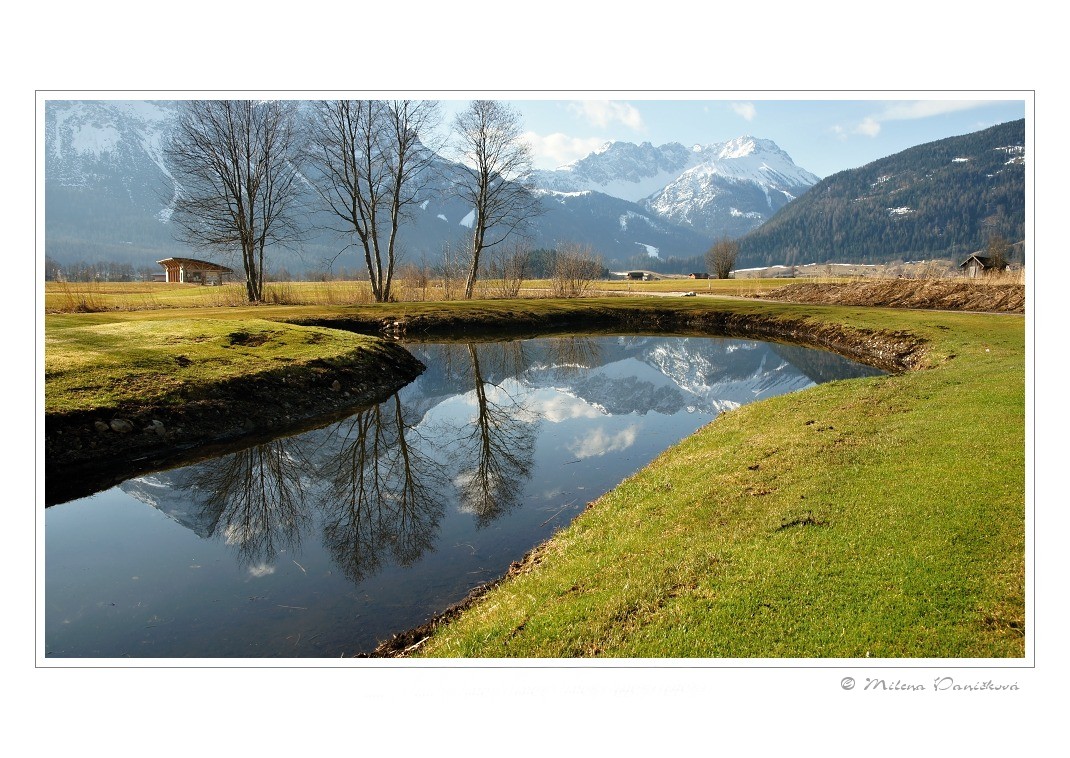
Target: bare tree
{"type": "Point", "coordinates": [497, 186]}
{"type": "Point", "coordinates": [373, 165]}
{"type": "Point", "coordinates": [721, 258]}
{"type": "Point", "coordinates": [508, 268]}
{"type": "Point", "coordinates": [998, 249]}
{"type": "Point", "coordinates": [575, 268]}
{"type": "Point", "coordinates": [454, 261]}
{"type": "Point", "coordinates": [237, 161]}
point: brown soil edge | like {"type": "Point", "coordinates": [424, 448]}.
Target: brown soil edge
{"type": "Point", "coordinates": [927, 294]}
{"type": "Point", "coordinates": [229, 416]}
{"type": "Point", "coordinates": [892, 351]}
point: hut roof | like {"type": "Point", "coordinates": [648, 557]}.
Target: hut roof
{"type": "Point", "coordinates": [983, 260]}
{"type": "Point", "coordinates": [193, 263]}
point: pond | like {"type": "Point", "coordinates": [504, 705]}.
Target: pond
{"type": "Point", "coordinates": [326, 543]}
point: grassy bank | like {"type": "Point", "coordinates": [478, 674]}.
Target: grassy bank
{"type": "Point", "coordinates": [102, 361]}
{"type": "Point", "coordinates": [870, 518]}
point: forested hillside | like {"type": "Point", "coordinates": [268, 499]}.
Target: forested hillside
{"type": "Point", "coordinates": [942, 199]}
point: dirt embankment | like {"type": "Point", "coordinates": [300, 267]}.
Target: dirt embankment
{"type": "Point", "coordinates": [933, 294]}
{"type": "Point", "coordinates": [92, 450]}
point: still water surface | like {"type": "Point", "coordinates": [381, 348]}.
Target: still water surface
{"type": "Point", "coordinates": [326, 543]}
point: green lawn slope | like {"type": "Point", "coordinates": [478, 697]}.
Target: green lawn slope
{"type": "Point", "coordinates": [875, 518]}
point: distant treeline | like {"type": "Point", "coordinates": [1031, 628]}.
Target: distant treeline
{"type": "Point", "coordinates": [539, 264]}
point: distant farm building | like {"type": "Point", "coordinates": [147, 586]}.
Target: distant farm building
{"type": "Point", "coordinates": [193, 271]}
{"type": "Point", "coordinates": [980, 265]}
{"type": "Point", "coordinates": [637, 276]}
{"type": "Point", "coordinates": [698, 275]}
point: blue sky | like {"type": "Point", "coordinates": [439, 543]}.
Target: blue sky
{"type": "Point", "coordinates": [823, 136]}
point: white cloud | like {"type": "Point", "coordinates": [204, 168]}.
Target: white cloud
{"type": "Point", "coordinates": [746, 110]}
{"type": "Point", "coordinates": [927, 108]}
{"type": "Point", "coordinates": [869, 126]}
{"type": "Point", "coordinates": [558, 149]}
{"type": "Point", "coordinates": [261, 569]}
{"type": "Point", "coordinates": [602, 113]}
{"type": "Point", "coordinates": [909, 111]}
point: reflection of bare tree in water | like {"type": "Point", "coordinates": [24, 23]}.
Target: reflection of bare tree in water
{"type": "Point", "coordinates": [497, 360]}
{"type": "Point", "coordinates": [572, 355]}
{"type": "Point", "coordinates": [497, 451]}
{"type": "Point", "coordinates": [255, 500]}
{"type": "Point", "coordinates": [501, 359]}
{"type": "Point", "coordinates": [380, 493]}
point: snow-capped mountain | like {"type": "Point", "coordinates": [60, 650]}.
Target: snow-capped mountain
{"type": "Point", "coordinates": [621, 169]}
{"type": "Point", "coordinates": [722, 188]}
{"type": "Point", "coordinates": [109, 193]}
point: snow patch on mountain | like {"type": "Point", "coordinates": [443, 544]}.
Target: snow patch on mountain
{"type": "Point", "coordinates": [469, 219]}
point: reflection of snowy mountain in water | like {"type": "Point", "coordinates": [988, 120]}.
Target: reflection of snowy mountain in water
{"type": "Point", "coordinates": [174, 493]}
{"type": "Point", "coordinates": [557, 380]}
{"type": "Point", "coordinates": [626, 374]}
{"type": "Point", "coordinates": [698, 374]}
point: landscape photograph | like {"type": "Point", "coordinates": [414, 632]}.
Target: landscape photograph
{"type": "Point", "coordinates": [692, 379]}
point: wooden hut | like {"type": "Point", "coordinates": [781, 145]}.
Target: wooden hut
{"type": "Point", "coordinates": [193, 271]}
{"type": "Point", "coordinates": [979, 265]}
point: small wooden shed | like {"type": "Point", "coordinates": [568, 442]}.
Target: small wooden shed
{"type": "Point", "coordinates": [193, 271]}
{"type": "Point", "coordinates": [979, 265]}
{"type": "Point", "coordinates": [698, 275]}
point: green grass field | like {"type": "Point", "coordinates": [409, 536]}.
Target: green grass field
{"type": "Point", "coordinates": [106, 360]}
{"type": "Point", "coordinates": [879, 518]}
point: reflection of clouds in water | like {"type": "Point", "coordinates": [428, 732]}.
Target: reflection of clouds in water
{"type": "Point", "coordinates": [527, 404]}
{"type": "Point", "coordinates": [556, 406]}
{"type": "Point", "coordinates": [261, 569]}
{"type": "Point", "coordinates": [597, 442]}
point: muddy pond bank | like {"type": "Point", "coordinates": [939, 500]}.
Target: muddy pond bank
{"type": "Point", "coordinates": [87, 451]}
